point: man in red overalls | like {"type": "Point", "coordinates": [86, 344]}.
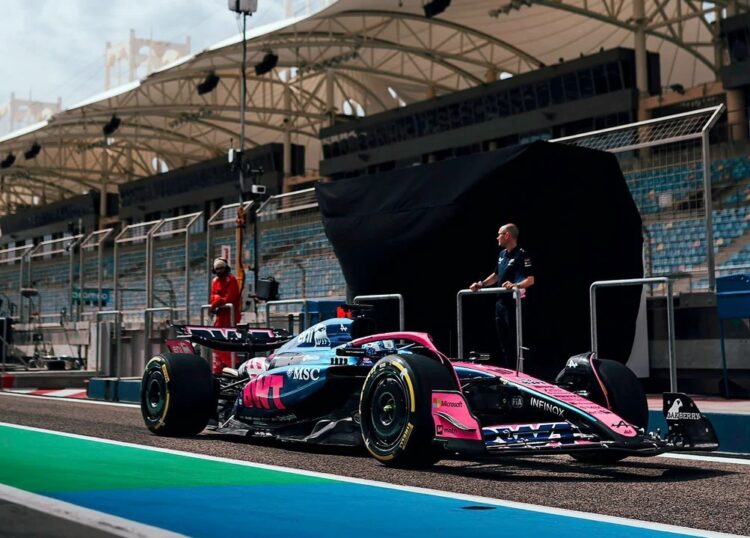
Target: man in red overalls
{"type": "Point", "coordinates": [224, 291]}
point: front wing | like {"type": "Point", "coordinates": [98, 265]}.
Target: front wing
{"type": "Point", "coordinates": [457, 430]}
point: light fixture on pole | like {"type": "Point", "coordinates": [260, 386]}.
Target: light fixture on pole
{"type": "Point", "coordinates": [245, 8]}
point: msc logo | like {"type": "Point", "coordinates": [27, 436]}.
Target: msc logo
{"type": "Point", "coordinates": [304, 374]}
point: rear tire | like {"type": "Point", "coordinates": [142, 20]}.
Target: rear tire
{"type": "Point", "coordinates": [395, 409]}
{"type": "Point", "coordinates": [177, 395]}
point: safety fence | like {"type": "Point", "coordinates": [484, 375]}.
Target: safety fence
{"type": "Point", "coordinates": [668, 169]}
{"type": "Point", "coordinates": [125, 286]}
{"type": "Point", "coordinates": [165, 264]}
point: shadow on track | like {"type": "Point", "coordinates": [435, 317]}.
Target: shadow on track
{"type": "Point", "coordinates": [292, 446]}
{"type": "Point", "coordinates": [534, 469]}
{"type": "Point", "coordinates": [546, 470]}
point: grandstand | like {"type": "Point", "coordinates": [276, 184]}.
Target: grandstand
{"type": "Point", "coordinates": [360, 91]}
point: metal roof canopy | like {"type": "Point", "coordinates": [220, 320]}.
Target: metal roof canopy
{"type": "Point", "coordinates": [346, 58]}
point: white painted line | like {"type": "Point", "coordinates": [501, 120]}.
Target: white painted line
{"type": "Point", "coordinates": [71, 400]}
{"type": "Point", "coordinates": [64, 393]}
{"type": "Point", "coordinates": [85, 516]}
{"type": "Point", "coordinates": [424, 491]}
{"type": "Point", "coordinates": [712, 459]}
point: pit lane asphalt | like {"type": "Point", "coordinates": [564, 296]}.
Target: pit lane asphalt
{"type": "Point", "coordinates": [697, 494]}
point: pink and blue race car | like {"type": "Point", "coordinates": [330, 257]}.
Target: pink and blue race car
{"type": "Point", "coordinates": [404, 400]}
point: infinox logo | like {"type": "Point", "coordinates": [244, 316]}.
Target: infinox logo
{"type": "Point", "coordinates": [547, 407]}
{"type": "Point", "coordinates": [437, 403]}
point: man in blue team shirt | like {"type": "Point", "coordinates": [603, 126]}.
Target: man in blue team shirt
{"type": "Point", "coordinates": [513, 270]}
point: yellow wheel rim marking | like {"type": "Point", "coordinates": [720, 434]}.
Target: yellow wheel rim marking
{"type": "Point", "coordinates": [406, 377]}
{"type": "Point", "coordinates": [166, 400]}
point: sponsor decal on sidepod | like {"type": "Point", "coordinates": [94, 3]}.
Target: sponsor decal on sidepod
{"type": "Point", "coordinates": [546, 406]}
{"type": "Point", "coordinates": [304, 374]}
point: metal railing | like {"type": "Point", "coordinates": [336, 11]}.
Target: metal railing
{"type": "Point", "coordinates": [303, 302]}
{"type": "Point", "coordinates": [126, 236]}
{"type": "Point", "coordinates": [95, 240]}
{"type": "Point", "coordinates": [387, 296]}
{"type": "Point", "coordinates": [4, 341]}
{"type": "Point", "coordinates": [668, 130]}
{"type": "Point", "coordinates": [167, 228]}
{"type": "Point", "coordinates": [114, 366]}
{"type": "Point", "coordinates": [516, 291]}
{"type": "Point", "coordinates": [207, 307]}
{"type": "Point", "coordinates": [226, 214]}
{"type": "Point", "coordinates": [147, 320]}
{"type": "Point", "coordinates": [65, 246]}
{"type": "Point", "coordinates": [13, 254]}
{"type": "Point", "coordinates": [693, 274]}
{"type": "Point", "coordinates": [670, 316]}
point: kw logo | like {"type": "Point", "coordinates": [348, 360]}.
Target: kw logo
{"type": "Point", "coordinates": [264, 392]}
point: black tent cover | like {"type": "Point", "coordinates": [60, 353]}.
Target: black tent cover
{"type": "Point", "coordinates": [429, 231]}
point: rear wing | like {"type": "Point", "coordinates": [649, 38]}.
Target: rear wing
{"type": "Point", "coordinates": [238, 339]}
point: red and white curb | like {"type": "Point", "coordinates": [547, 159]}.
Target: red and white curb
{"type": "Point", "coordinates": [54, 393]}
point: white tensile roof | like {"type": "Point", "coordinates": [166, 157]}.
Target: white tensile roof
{"type": "Point", "coordinates": [375, 55]}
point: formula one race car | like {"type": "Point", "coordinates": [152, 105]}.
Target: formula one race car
{"type": "Point", "coordinates": [406, 401]}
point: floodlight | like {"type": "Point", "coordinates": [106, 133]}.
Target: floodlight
{"type": "Point", "coordinates": [435, 7]}
{"type": "Point", "coordinates": [8, 161]}
{"type": "Point", "coordinates": [243, 6]}
{"type": "Point", "coordinates": [33, 151]}
{"type": "Point", "coordinates": [267, 64]}
{"type": "Point", "coordinates": [209, 84]}
{"type": "Point", "coordinates": [112, 125]}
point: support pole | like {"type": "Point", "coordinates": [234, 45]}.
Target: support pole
{"type": "Point", "coordinates": [641, 63]}
{"type": "Point", "coordinates": [708, 210]}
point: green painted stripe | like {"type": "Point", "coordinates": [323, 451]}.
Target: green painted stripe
{"type": "Point", "coordinates": [41, 462]}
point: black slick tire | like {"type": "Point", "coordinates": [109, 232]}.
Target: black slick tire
{"type": "Point", "coordinates": [395, 409]}
{"type": "Point", "coordinates": [177, 395]}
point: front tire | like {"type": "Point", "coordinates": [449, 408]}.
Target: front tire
{"type": "Point", "coordinates": [395, 409]}
{"type": "Point", "coordinates": [626, 399]}
{"type": "Point", "coordinates": [177, 395]}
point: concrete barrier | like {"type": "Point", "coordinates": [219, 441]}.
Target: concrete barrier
{"type": "Point", "coordinates": [115, 389]}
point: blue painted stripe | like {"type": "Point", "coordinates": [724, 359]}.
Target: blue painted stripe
{"type": "Point", "coordinates": [335, 509]}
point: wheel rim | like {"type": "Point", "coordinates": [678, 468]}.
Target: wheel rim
{"type": "Point", "coordinates": [388, 412]}
{"type": "Point", "coordinates": [155, 391]}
